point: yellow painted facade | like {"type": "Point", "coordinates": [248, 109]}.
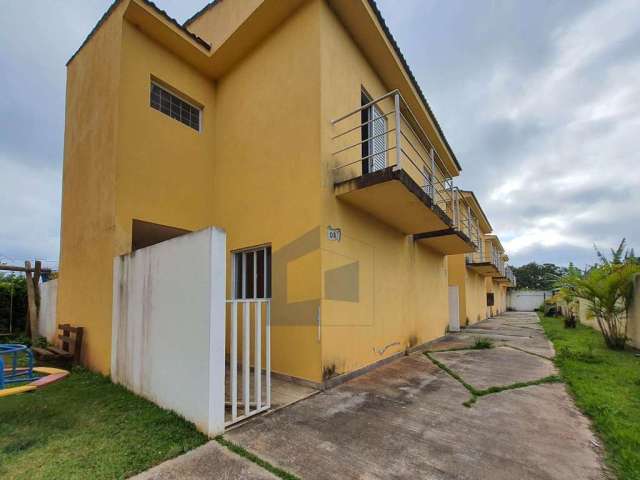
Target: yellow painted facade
{"type": "Point", "coordinates": [472, 290]}
{"type": "Point", "coordinates": [480, 272]}
{"type": "Point", "coordinates": [261, 167]}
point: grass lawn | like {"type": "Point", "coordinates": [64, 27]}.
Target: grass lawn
{"type": "Point", "coordinates": [606, 387]}
{"type": "Point", "coordinates": [87, 427]}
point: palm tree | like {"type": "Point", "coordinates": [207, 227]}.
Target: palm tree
{"type": "Point", "coordinates": [618, 256]}
{"type": "Point", "coordinates": [608, 288]}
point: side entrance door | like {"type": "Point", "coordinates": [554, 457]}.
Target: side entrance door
{"type": "Point", "coordinates": [454, 309]}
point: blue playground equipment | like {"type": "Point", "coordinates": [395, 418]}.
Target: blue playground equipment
{"type": "Point", "coordinates": [14, 373]}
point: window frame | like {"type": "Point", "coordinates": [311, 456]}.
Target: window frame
{"type": "Point", "coordinates": [172, 91]}
{"type": "Point", "coordinates": [491, 299]}
{"type": "Point", "coordinates": [267, 272]}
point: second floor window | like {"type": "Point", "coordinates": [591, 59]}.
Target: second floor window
{"type": "Point", "coordinates": [173, 106]}
{"type": "Point", "coordinates": [374, 136]}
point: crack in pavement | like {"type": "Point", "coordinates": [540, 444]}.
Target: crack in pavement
{"type": "Point", "coordinates": [475, 393]}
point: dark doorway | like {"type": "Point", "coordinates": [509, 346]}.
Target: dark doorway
{"type": "Point", "coordinates": [144, 234]}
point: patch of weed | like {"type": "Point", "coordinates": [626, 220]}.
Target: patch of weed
{"type": "Point", "coordinates": [482, 343]}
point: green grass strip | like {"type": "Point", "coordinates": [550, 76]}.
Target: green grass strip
{"type": "Point", "coordinates": [605, 385]}
{"type": "Point", "coordinates": [475, 393]}
{"type": "Point", "coordinates": [238, 450]}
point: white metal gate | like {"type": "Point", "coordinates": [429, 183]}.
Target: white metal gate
{"type": "Point", "coordinates": [249, 322]}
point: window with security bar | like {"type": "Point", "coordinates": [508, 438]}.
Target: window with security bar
{"type": "Point", "coordinates": [170, 104]}
{"type": "Point", "coordinates": [252, 273]}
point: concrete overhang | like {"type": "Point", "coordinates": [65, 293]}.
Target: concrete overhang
{"type": "Point", "coordinates": [448, 242]}
{"type": "Point", "coordinates": [393, 197]}
{"type": "Point", "coordinates": [504, 281]}
{"type": "Point", "coordinates": [215, 60]}
{"type": "Point", "coordinates": [486, 269]}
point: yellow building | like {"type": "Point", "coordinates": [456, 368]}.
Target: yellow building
{"type": "Point", "coordinates": [469, 272]}
{"type": "Point", "coordinates": [480, 279]}
{"type": "Point", "coordinates": [499, 281]}
{"type": "Point", "coordinates": [297, 127]}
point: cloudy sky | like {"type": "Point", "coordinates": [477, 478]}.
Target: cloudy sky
{"type": "Point", "coordinates": [540, 101]}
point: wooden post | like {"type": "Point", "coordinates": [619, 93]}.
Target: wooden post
{"type": "Point", "coordinates": [31, 328]}
{"type": "Point", "coordinates": [37, 273]}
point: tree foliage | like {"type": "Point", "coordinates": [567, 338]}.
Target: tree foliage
{"type": "Point", "coordinates": [620, 255]}
{"type": "Point", "coordinates": [536, 276]}
{"type": "Point", "coordinates": [13, 286]}
{"type": "Point", "coordinates": [608, 288]}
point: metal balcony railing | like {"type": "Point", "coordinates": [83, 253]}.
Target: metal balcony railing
{"type": "Point", "coordinates": [385, 133]}
{"type": "Point", "coordinates": [464, 220]}
{"type": "Point", "coordinates": [510, 276]}
{"type": "Point", "coordinates": [492, 256]}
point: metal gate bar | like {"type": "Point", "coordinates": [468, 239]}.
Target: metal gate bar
{"type": "Point", "coordinates": [251, 310]}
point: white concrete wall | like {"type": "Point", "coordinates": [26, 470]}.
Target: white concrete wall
{"type": "Point", "coordinates": [169, 326]}
{"type": "Point", "coordinates": [47, 324]}
{"type": "Point", "coordinates": [526, 300]}
{"type": "Point", "coordinates": [633, 329]}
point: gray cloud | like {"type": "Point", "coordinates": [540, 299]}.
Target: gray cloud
{"type": "Point", "coordinates": [538, 103]}
{"type": "Point", "coordinates": [36, 40]}
{"type": "Point", "coordinates": [537, 99]}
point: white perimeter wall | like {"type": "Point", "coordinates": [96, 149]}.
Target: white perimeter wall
{"type": "Point", "coordinates": [526, 300]}
{"type": "Point", "coordinates": [169, 327]}
{"type": "Point", "coordinates": [47, 325]}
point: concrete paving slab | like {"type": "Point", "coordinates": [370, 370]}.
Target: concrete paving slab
{"type": "Point", "coordinates": [496, 366]}
{"type": "Point", "coordinates": [406, 420]}
{"type": "Point", "coordinates": [211, 460]}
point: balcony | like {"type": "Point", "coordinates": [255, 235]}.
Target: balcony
{"type": "Point", "coordinates": [508, 279]}
{"type": "Point", "coordinates": [462, 237]}
{"type": "Point", "coordinates": [488, 264]}
{"type": "Point", "coordinates": [386, 166]}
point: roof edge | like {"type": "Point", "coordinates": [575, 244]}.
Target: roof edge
{"type": "Point", "coordinates": [200, 12]}
{"type": "Point", "coordinates": [149, 3]}
{"type": "Point", "coordinates": [486, 218]}
{"type": "Point", "coordinates": [104, 18]}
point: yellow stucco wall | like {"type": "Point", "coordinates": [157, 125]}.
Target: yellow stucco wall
{"type": "Point", "coordinates": [88, 191]}
{"type": "Point", "coordinates": [261, 168]}
{"type": "Point", "coordinates": [216, 24]}
{"type": "Point", "coordinates": [476, 297]}
{"type": "Point", "coordinates": [471, 290]}
{"type": "Point", "coordinates": [400, 292]}
{"type": "Point", "coordinates": [500, 297]}
{"type": "Point", "coordinates": [267, 177]}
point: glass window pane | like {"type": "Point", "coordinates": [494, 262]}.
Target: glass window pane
{"type": "Point", "coordinates": [176, 108]}
{"type": "Point", "coordinates": [268, 272]}
{"type": "Point", "coordinates": [238, 273]}
{"type": "Point", "coordinates": [249, 275]}
{"type": "Point", "coordinates": [260, 273]}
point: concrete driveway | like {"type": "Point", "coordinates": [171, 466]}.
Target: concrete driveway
{"type": "Point", "coordinates": [407, 419]}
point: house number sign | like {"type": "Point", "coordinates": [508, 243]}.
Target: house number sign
{"type": "Point", "coordinates": [334, 234]}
